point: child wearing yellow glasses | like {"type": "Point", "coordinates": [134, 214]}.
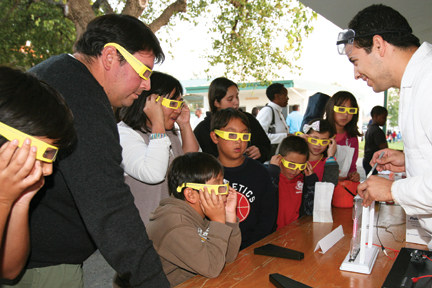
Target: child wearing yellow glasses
{"type": "Point", "coordinates": [257, 197]}
{"type": "Point", "coordinates": [322, 149]}
{"type": "Point", "coordinates": [150, 140]}
{"type": "Point", "coordinates": [342, 112]}
{"type": "Point", "coordinates": [196, 230]}
{"type": "Point", "coordinates": [288, 170]}
{"type": "Point", "coordinates": [35, 123]}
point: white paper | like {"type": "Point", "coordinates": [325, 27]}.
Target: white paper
{"type": "Point", "coordinates": [344, 155]}
{"type": "Point", "coordinates": [322, 211]}
{"type": "Point", "coordinates": [328, 241]}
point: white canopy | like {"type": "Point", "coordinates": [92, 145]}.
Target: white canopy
{"type": "Point", "coordinates": [340, 12]}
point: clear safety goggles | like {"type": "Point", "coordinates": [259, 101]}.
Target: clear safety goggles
{"type": "Point", "coordinates": [345, 40]}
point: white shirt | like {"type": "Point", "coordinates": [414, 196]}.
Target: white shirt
{"type": "Point", "coordinates": [147, 163]}
{"type": "Point", "coordinates": [414, 193]}
{"type": "Point", "coordinates": [264, 117]}
{"type": "Point", "coordinates": [197, 121]}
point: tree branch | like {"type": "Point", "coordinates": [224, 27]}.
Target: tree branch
{"type": "Point", "coordinates": [106, 6]}
{"type": "Point", "coordinates": [164, 18]}
{"type": "Point", "coordinates": [235, 3]}
{"type": "Point", "coordinates": [10, 11]}
{"type": "Point", "coordinates": [135, 7]}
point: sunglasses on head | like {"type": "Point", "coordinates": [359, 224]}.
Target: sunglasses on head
{"type": "Point", "coordinates": [349, 110]}
{"type": "Point", "coordinates": [142, 70]}
{"type": "Point", "coordinates": [45, 152]}
{"type": "Point", "coordinates": [233, 136]}
{"type": "Point", "coordinates": [345, 40]}
{"type": "Point", "coordinates": [219, 189]}
{"type": "Point", "coordinates": [292, 165]}
{"type": "Point", "coordinates": [169, 103]}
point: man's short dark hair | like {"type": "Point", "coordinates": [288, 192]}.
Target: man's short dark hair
{"type": "Point", "coordinates": [379, 18]}
{"type": "Point", "coordinates": [378, 110]}
{"type": "Point", "coordinates": [274, 89]}
{"type": "Point", "coordinates": [218, 90]}
{"type": "Point", "coordinates": [195, 167]}
{"type": "Point", "coordinates": [296, 107]}
{"type": "Point", "coordinates": [222, 117]}
{"type": "Point", "coordinates": [35, 108]}
{"type": "Point", "coordinates": [294, 144]}
{"type": "Point", "coordinates": [124, 30]}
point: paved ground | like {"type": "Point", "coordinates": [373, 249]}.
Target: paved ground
{"type": "Point", "coordinates": [98, 274]}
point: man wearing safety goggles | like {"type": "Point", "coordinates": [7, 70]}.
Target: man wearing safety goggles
{"type": "Point", "coordinates": [109, 68]}
{"type": "Point", "coordinates": [386, 54]}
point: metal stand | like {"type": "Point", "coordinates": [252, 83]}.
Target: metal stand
{"type": "Point", "coordinates": [365, 260]}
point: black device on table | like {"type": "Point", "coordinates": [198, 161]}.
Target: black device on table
{"type": "Point", "coordinates": [409, 264]}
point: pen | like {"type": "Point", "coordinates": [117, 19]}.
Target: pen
{"type": "Point", "coordinates": [375, 165]}
{"type": "Point", "coordinates": [348, 191]}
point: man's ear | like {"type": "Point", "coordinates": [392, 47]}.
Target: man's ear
{"type": "Point", "coordinates": [109, 56]}
{"type": "Point", "coordinates": [380, 44]}
{"type": "Point", "coordinates": [214, 137]}
{"type": "Point", "coordinates": [191, 195]}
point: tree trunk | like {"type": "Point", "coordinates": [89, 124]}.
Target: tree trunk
{"type": "Point", "coordinates": [81, 13]}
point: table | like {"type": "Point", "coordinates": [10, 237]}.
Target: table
{"type": "Point", "coordinates": [316, 269]}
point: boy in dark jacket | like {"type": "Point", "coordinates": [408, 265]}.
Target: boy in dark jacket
{"type": "Point", "coordinates": [257, 196]}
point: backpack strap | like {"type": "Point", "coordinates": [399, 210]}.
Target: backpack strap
{"type": "Point", "coordinates": [273, 117]}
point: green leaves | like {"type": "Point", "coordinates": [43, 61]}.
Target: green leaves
{"type": "Point", "coordinates": [32, 31]}
{"type": "Point", "coordinates": [252, 40]}
{"type": "Point", "coordinates": [255, 39]}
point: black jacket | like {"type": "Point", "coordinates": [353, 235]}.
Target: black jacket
{"type": "Point", "coordinates": [85, 205]}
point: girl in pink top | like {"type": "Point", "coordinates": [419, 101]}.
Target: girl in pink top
{"type": "Point", "coordinates": [342, 113]}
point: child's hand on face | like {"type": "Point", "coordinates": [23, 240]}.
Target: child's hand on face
{"type": "Point", "coordinates": [276, 159]}
{"type": "Point", "coordinates": [184, 117]}
{"type": "Point", "coordinates": [354, 176]}
{"type": "Point", "coordinates": [212, 205]}
{"type": "Point", "coordinates": [309, 169]}
{"type": "Point", "coordinates": [231, 206]}
{"type": "Point", "coordinates": [331, 151]}
{"type": "Point", "coordinates": [154, 113]}
{"type": "Point", "coordinates": [21, 176]}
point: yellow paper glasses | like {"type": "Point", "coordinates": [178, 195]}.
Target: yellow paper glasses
{"type": "Point", "coordinates": [142, 70]}
{"type": "Point", "coordinates": [220, 189]}
{"type": "Point", "coordinates": [233, 136]}
{"type": "Point", "coordinates": [321, 142]}
{"type": "Point", "coordinates": [349, 110]}
{"type": "Point", "coordinates": [45, 152]}
{"type": "Point", "coordinates": [169, 103]}
{"type": "Point", "coordinates": [293, 166]}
